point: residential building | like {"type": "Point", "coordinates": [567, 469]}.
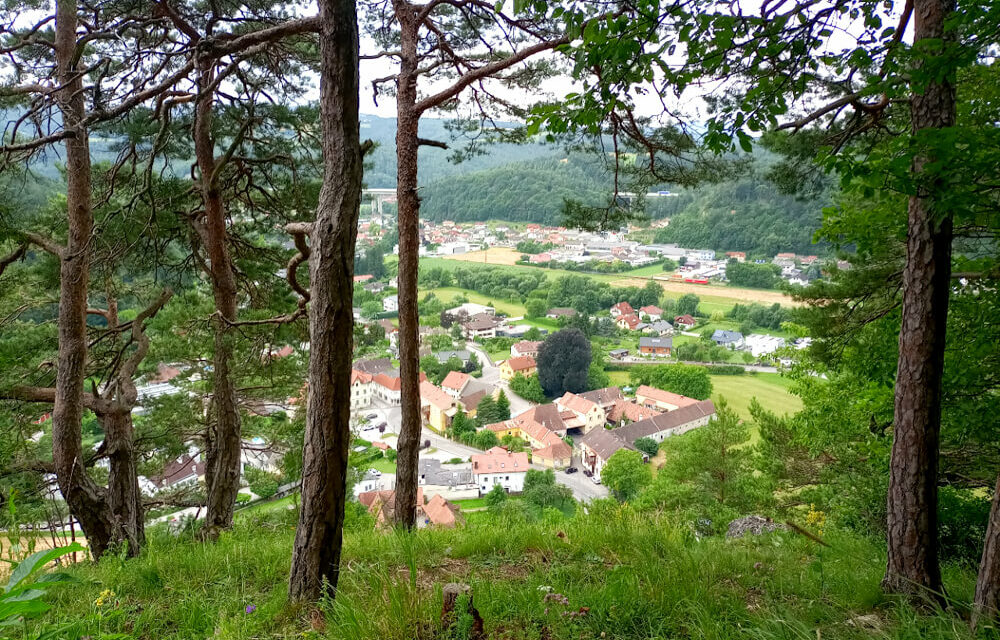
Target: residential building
{"type": "Point", "coordinates": [500, 467]}
{"type": "Point", "coordinates": [454, 383]}
{"type": "Point", "coordinates": [480, 328]}
{"type": "Point", "coordinates": [525, 348]}
{"type": "Point", "coordinates": [437, 512]}
{"type": "Point", "coordinates": [587, 414]}
{"type": "Point", "coordinates": [605, 398]}
{"type": "Point", "coordinates": [597, 447]}
{"type": "Point", "coordinates": [462, 354]}
{"type": "Point", "coordinates": [471, 309]}
{"type": "Point", "coordinates": [728, 339]}
{"type": "Point", "coordinates": [763, 345]}
{"type": "Point", "coordinates": [374, 366]}
{"type": "Point", "coordinates": [629, 321]}
{"type": "Point", "coordinates": [390, 303]}
{"type": "Point", "coordinates": [661, 400]}
{"type": "Point", "coordinates": [621, 309]}
{"type": "Point", "coordinates": [622, 412]}
{"type": "Point", "coordinates": [560, 312]}
{"type": "Point", "coordinates": [651, 312]}
{"type": "Point", "coordinates": [362, 390]}
{"type": "Point", "coordinates": [660, 328]}
{"type": "Point", "coordinates": [684, 322]}
{"type": "Point", "coordinates": [618, 354]}
{"type": "Point", "coordinates": [658, 347]}
{"type": "Point", "coordinates": [738, 256]}
{"type": "Point", "coordinates": [436, 406]}
{"type": "Point", "coordinates": [434, 478]}
{"type": "Point", "coordinates": [387, 388]}
{"type": "Point", "coordinates": [525, 365]}
{"type": "Point", "coordinates": [542, 428]}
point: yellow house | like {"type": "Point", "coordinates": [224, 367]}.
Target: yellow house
{"type": "Point", "coordinates": [437, 407]}
{"type": "Point", "coordinates": [525, 365]}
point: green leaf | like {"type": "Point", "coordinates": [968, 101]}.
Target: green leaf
{"type": "Point", "coordinates": [37, 561]}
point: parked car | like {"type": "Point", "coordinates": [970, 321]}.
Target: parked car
{"type": "Point", "coordinates": [371, 416]}
{"type": "Point", "coordinates": [587, 472]}
{"type": "Point", "coordinates": [596, 479]}
{"type": "Point", "coordinates": [572, 470]}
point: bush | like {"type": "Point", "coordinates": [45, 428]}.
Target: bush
{"type": "Point", "coordinates": [528, 388]}
{"type": "Point", "coordinates": [496, 497]}
{"type": "Point", "coordinates": [726, 370]}
{"type": "Point", "coordinates": [648, 446]}
{"type": "Point", "coordinates": [261, 482]}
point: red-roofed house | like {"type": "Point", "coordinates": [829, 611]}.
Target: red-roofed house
{"type": "Point", "coordinates": [438, 512]}
{"type": "Point", "coordinates": [684, 322]}
{"type": "Point", "coordinates": [500, 467]}
{"type": "Point", "coordinates": [738, 256]}
{"type": "Point", "coordinates": [623, 412]}
{"type": "Point", "coordinates": [525, 348]}
{"type": "Point", "coordinates": [661, 400]}
{"type": "Point", "coordinates": [586, 414]}
{"type": "Point", "coordinates": [651, 311]}
{"type": "Point", "coordinates": [363, 278]}
{"type": "Point", "coordinates": [629, 321]}
{"type": "Point", "coordinates": [525, 365]}
{"type": "Point", "coordinates": [437, 407]}
{"type": "Point", "coordinates": [454, 383]}
{"type": "Point", "coordinates": [621, 309]}
{"type": "Point", "coordinates": [362, 390]}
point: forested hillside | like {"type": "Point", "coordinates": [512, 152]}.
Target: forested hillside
{"type": "Point", "coordinates": [746, 215]}
{"type": "Point", "coordinates": [529, 191]}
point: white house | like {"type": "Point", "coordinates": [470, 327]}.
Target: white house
{"type": "Point", "coordinates": [390, 303]}
{"type": "Point", "coordinates": [500, 467]}
{"type": "Point", "coordinates": [362, 390]}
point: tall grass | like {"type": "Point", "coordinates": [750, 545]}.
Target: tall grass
{"type": "Point", "coordinates": [624, 574]}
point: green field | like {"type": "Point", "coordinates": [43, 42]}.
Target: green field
{"type": "Point", "coordinates": [512, 309]}
{"type": "Point", "coordinates": [770, 389]}
{"type": "Point", "coordinates": [710, 302]}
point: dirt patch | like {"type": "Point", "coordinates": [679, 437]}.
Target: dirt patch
{"type": "Point", "coordinates": [494, 255]}
{"type": "Point", "coordinates": [735, 293]}
{"type": "Point", "coordinates": [31, 544]}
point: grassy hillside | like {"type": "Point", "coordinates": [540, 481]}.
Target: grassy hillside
{"type": "Point", "coordinates": [624, 575]}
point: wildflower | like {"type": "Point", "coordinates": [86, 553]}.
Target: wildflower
{"type": "Point", "coordinates": [816, 518]}
{"type": "Point", "coordinates": [251, 608]}
{"type": "Point", "coordinates": [104, 598]}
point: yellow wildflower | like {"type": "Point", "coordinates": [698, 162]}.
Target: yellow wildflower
{"type": "Point", "coordinates": [104, 598]}
{"type": "Point", "coordinates": [816, 518]}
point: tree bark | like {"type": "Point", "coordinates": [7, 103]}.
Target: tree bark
{"type": "Point", "coordinates": [987, 601]}
{"type": "Point", "coordinates": [222, 450]}
{"type": "Point", "coordinates": [86, 500]}
{"type": "Point", "coordinates": [319, 536]}
{"type": "Point", "coordinates": [124, 497]}
{"type": "Point", "coordinates": [408, 207]}
{"type": "Point", "coordinates": [912, 566]}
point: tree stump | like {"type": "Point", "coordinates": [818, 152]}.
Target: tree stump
{"type": "Point", "coordinates": [458, 611]}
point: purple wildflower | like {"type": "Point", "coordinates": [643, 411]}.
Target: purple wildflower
{"type": "Point", "coordinates": [251, 608]}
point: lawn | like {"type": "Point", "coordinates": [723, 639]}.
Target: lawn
{"type": "Point", "coordinates": [770, 389]}
{"type": "Point", "coordinates": [384, 465]}
{"type": "Point", "coordinates": [447, 294]}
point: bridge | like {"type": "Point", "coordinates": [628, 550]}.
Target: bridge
{"type": "Point", "coordinates": [378, 198]}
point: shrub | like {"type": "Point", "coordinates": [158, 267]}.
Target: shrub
{"type": "Point", "coordinates": [647, 445]}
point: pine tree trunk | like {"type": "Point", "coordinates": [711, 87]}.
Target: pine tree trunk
{"type": "Point", "coordinates": [912, 566]}
{"type": "Point", "coordinates": [319, 536]}
{"type": "Point", "coordinates": [124, 497]}
{"type": "Point", "coordinates": [222, 455]}
{"type": "Point", "coordinates": [86, 500]}
{"type": "Point", "coordinates": [408, 205]}
{"type": "Point", "coordinates": [987, 601]}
